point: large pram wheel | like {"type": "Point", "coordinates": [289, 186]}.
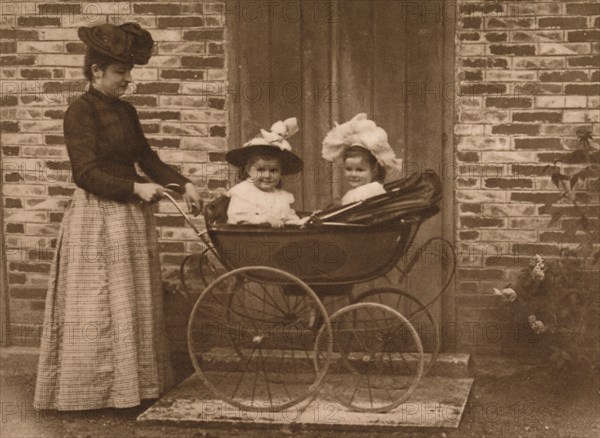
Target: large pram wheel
{"type": "Point", "coordinates": [251, 339]}
{"type": "Point", "coordinates": [373, 378]}
{"type": "Point", "coordinates": [418, 315]}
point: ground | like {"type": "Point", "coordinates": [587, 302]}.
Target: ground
{"type": "Point", "coordinates": [510, 398]}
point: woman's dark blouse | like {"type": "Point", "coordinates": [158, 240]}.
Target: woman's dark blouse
{"type": "Point", "coordinates": [104, 139]}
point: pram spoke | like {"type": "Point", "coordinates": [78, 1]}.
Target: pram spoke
{"type": "Point", "coordinates": [419, 316]}
{"type": "Point", "coordinates": [363, 335]}
{"type": "Point", "coordinates": [263, 325]}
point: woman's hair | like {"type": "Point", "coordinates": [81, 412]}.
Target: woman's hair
{"type": "Point", "coordinates": [253, 159]}
{"type": "Point", "coordinates": [94, 57]}
{"type": "Point", "coordinates": [368, 157]}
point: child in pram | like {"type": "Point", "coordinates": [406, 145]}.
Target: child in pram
{"type": "Point", "coordinates": [366, 155]}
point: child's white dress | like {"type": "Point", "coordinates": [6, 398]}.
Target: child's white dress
{"type": "Point", "coordinates": [361, 193]}
{"type": "Point", "coordinates": [254, 206]}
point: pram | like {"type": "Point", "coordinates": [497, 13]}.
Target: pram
{"type": "Point", "coordinates": [259, 335]}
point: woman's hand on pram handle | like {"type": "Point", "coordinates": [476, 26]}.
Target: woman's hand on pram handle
{"type": "Point", "coordinates": [148, 192]}
{"type": "Point", "coordinates": [190, 196]}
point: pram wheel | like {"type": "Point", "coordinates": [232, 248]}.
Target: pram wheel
{"type": "Point", "coordinates": [252, 344]}
{"type": "Point", "coordinates": [418, 315]}
{"type": "Point", "coordinates": [366, 336]}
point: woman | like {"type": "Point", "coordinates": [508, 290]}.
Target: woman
{"type": "Point", "coordinates": [104, 343]}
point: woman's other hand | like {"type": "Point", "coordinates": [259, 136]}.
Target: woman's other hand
{"type": "Point", "coordinates": [192, 199]}
{"type": "Point", "coordinates": [148, 192]}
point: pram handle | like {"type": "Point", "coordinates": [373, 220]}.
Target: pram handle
{"type": "Point", "coordinates": [177, 188]}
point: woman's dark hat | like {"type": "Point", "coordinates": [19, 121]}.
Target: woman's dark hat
{"type": "Point", "coordinates": [271, 143]}
{"type": "Point", "coordinates": [127, 43]}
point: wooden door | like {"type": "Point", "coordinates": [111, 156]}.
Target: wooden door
{"type": "Point", "coordinates": [325, 61]}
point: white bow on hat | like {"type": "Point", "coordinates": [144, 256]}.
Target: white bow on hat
{"type": "Point", "coordinates": [277, 136]}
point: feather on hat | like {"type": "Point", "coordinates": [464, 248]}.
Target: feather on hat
{"type": "Point", "coordinates": [272, 143]}
{"type": "Point", "coordinates": [360, 131]}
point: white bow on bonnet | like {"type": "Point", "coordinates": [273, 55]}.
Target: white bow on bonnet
{"type": "Point", "coordinates": [278, 134]}
{"type": "Point", "coordinates": [360, 131]}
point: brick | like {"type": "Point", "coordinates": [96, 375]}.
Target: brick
{"type": "Point", "coordinates": [512, 49]}
{"type": "Point", "coordinates": [37, 20]}
{"type": "Point", "coordinates": [36, 73]}
{"type": "Point", "coordinates": [496, 37]}
{"type": "Point", "coordinates": [202, 62]}
{"type": "Point", "coordinates": [485, 62]}
{"type": "Point", "coordinates": [138, 100]}
{"type": "Point", "coordinates": [564, 48]}
{"type": "Point", "coordinates": [477, 89]}
{"type": "Point", "coordinates": [472, 75]}
{"type": "Point", "coordinates": [467, 157]}
{"type": "Point", "coordinates": [537, 116]}
{"type": "Point", "coordinates": [479, 8]}
{"type": "Point", "coordinates": [480, 196]}
{"type": "Point", "coordinates": [60, 191]}
{"type": "Point", "coordinates": [580, 89]}
{"type": "Point", "coordinates": [14, 278]}
{"type": "Point", "coordinates": [509, 102]}
{"type": "Point", "coordinates": [536, 198]}
{"type": "Point", "coordinates": [583, 9]}
{"type": "Point", "coordinates": [515, 128]}
{"type": "Point", "coordinates": [562, 129]}
{"type": "Point", "coordinates": [182, 74]}
{"type": "Point", "coordinates": [510, 23]}
{"type": "Point", "coordinates": [479, 143]}
{"type": "Point", "coordinates": [180, 22]}
{"type": "Point", "coordinates": [583, 35]}
{"type": "Point", "coordinates": [12, 203]}
{"type": "Point", "coordinates": [216, 48]}
{"type": "Point", "coordinates": [214, 184]}
{"type": "Point", "coordinates": [170, 221]}
{"type": "Point", "coordinates": [562, 22]}
{"type": "Point", "coordinates": [19, 34]}
{"type": "Point", "coordinates": [509, 235]}
{"type": "Point", "coordinates": [10, 151]}
{"type": "Point", "coordinates": [510, 75]}
{"type": "Point", "coordinates": [17, 60]}
{"type": "Point", "coordinates": [8, 126]}
{"type": "Point", "coordinates": [75, 48]}
{"type": "Point", "coordinates": [584, 61]}
{"type": "Point", "coordinates": [468, 235]}
{"type": "Point", "coordinates": [56, 217]}
{"type": "Point", "coordinates": [15, 228]}
{"type": "Point", "coordinates": [164, 142]}
{"type": "Point", "coordinates": [536, 37]}
{"type": "Point", "coordinates": [539, 63]}
{"type": "Point", "coordinates": [161, 115]}
{"type": "Point", "coordinates": [8, 46]}
{"type": "Point", "coordinates": [481, 222]}
{"type": "Point", "coordinates": [468, 36]}
{"type": "Point", "coordinates": [563, 237]}
{"type": "Point", "coordinates": [471, 23]}
{"type": "Point", "coordinates": [216, 103]}
{"type": "Point", "coordinates": [511, 261]}
{"type": "Point", "coordinates": [508, 183]}
{"type": "Point", "coordinates": [29, 267]}
{"type": "Point", "coordinates": [207, 34]}
{"type": "Point", "coordinates": [563, 76]}
{"type": "Point", "coordinates": [157, 88]}
{"type": "Point", "coordinates": [538, 143]}
{"type": "Point", "coordinates": [157, 9]}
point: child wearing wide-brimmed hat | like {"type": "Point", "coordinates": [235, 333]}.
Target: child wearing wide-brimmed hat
{"type": "Point", "coordinates": [263, 161]}
{"type": "Point", "coordinates": [367, 156]}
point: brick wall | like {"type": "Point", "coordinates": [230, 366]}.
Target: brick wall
{"type": "Point", "coordinates": [180, 98]}
{"type": "Point", "coordinates": [528, 73]}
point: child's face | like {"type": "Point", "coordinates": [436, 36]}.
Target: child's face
{"type": "Point", "coordinates": [265, 174]}
{"type": "Point", "coordinates": [357, 171]}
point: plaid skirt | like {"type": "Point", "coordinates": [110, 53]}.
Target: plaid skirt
{"type": "Point", "coordinates": [103, 340]}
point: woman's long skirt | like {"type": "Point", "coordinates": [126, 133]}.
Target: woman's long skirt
{"type": "Point", "coordinates": [103, 340]}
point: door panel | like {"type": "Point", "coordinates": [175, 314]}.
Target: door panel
{"type": "Point", "coordinates": [346, 57]}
